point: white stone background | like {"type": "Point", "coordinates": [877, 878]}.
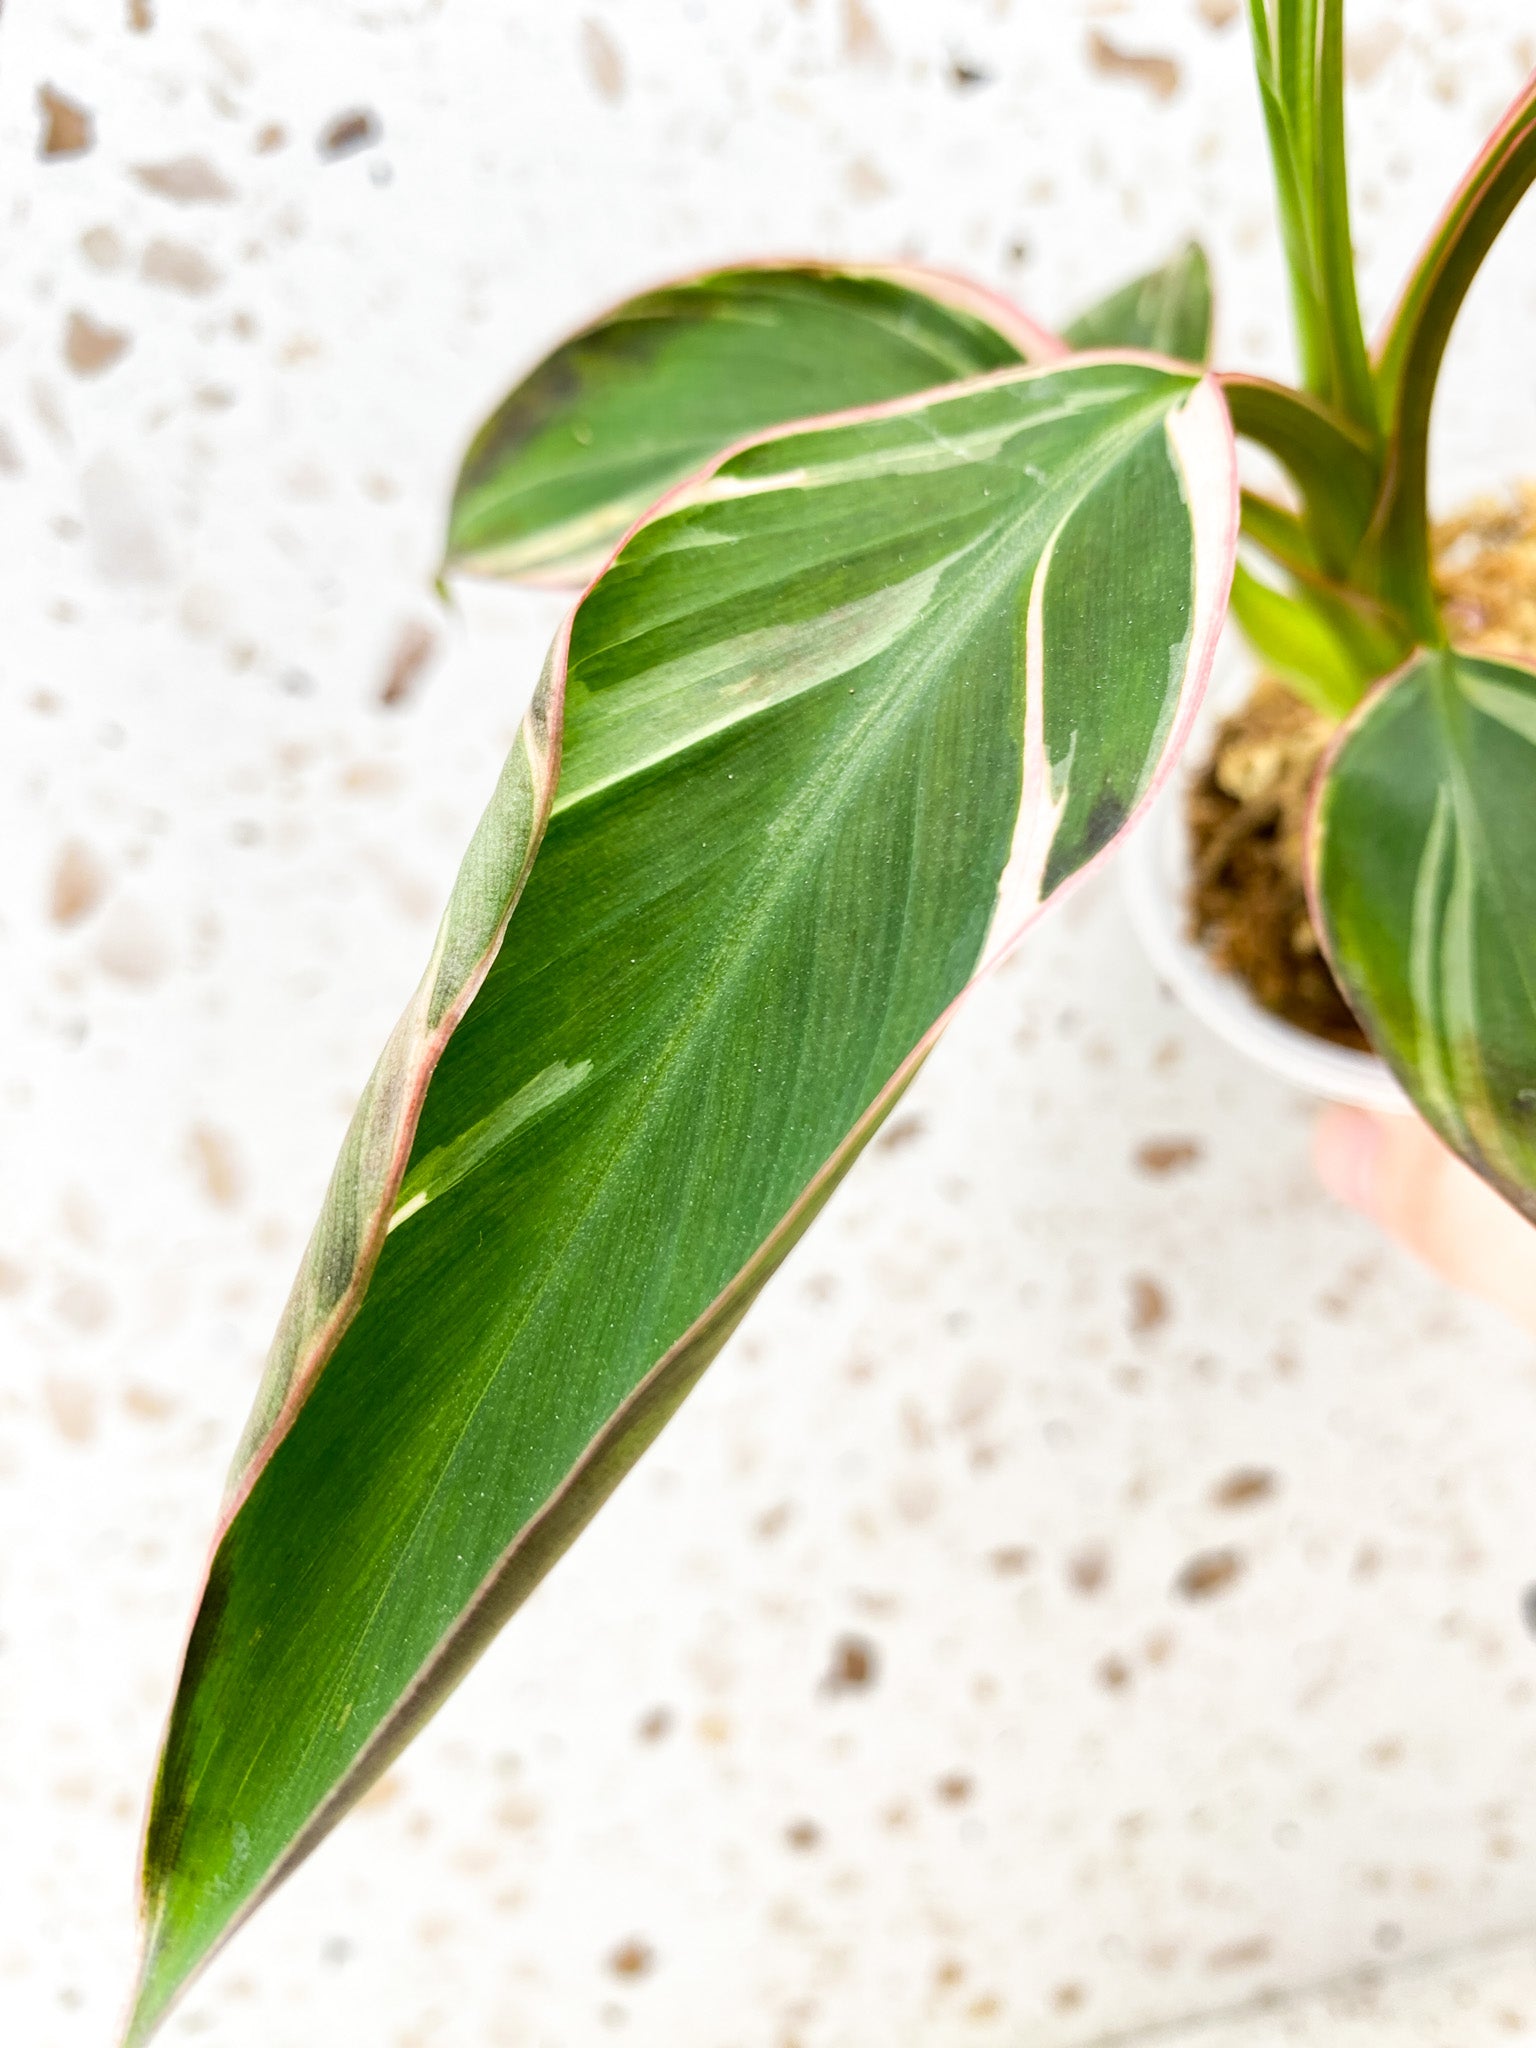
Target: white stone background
{"type": "Point", "coordinates": [1074, 1804]}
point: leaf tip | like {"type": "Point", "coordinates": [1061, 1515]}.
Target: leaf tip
{"type": "Point", "coordinates": [164, 1968]}
{"type": "Point", "coordinates": [147, 2006]}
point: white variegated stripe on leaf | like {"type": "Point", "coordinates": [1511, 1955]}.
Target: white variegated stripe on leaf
{"type": "Point", "coordinates": [768, 878]}
{"type": "Point", "coordinates": [1430, 894]}
{"type": "Point", "coordinates": [1422, 860]}
{"type": "Point", "coordinates": [1505, 702]}
{"type": "Point", "coordinates": [766, 664]}
{"type": "Point", "coordinates": [1043, 796]}
{"type": "Point", "coordinates": [1199, 435]}
{"type": "Point", "coordinates": [445, 1167]}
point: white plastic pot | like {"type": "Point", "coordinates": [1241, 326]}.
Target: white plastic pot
{"type": "Point", "coordinates": [1154, 870]}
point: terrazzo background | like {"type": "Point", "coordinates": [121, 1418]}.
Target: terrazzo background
{"type": "Point", "coordinates": [1088, 1593]}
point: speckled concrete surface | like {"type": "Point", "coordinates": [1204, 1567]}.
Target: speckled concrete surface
{"type": "Point", "coordinates": [1088, 1594]}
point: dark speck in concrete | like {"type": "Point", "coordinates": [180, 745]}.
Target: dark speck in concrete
{"type": "Point", "coordinates": [1208, 1573]}
{"type": "Point", "coordinates": [854, 1667]}
{"type": "Point", "coordinates": [1244, 1487]}
{"type": "Point", "coordinates": [1160, 1157]}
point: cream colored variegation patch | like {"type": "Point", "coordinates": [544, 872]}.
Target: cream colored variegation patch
{"type": "Point", "coordinates": [449, 1164]}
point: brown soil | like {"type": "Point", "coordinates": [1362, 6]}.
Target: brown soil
{"type": "Point", "coordinates": [1247, 811]}
{"type": "Point", "coordinates": [1485, 570]}
{"type": "Point", "coordinates": [1247, 901]}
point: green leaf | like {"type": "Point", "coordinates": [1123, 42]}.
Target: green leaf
{"type": "Point", "coordinates": [1167, 311]}
{"type": "Point", "coordinates": [1298, 50]}
{"type": "Point", "coordinates": [1423, 863]}
{"type": "Point", "coordinates": [1329, 640]}
{"type": "Point", "coordinates": [1333, 467]}
{"type": "Point", "coordinates": [1297, 643]}
{"type": "Point", "coordinates": [1279, 533]}
{"type": "Point", "coordinates": [837, 721]}
{"type": "Point", "coordinates": [637, 401]}
{"type": "Point", "coordinates": [1408, 362]}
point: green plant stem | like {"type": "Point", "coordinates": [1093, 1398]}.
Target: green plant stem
{"type": "Point", "coordinates": [1306, 310]}
{"type": "Point", "coordinates": [1280, 534]}
{"type": "Point", "coordinates": [1296, 643]}
{"type": "Point", "coordinates": [1332, 464]}
{"type": "Point", "coordinates": [1408, 364]}
{"type": "Point", "coordinates": [1299, 63]}
{"type": "Point", "coordinates": [1355, 394]}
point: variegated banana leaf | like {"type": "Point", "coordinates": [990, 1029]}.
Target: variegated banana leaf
{"type": "Point", "coordinates": [646, 394]}
{"type": "Point", "coordinates": [1423, 869]}
{"type": "Point", "coordinates": [1168, 310]}
{"type": "Point", "coordinates": [838, 719]}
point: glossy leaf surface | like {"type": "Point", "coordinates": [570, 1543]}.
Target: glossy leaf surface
{"type": "Point", "coordinates": [1423, 853]}
{"type": "Point", "coordinates": [1167, 311]}
{"type": "Point", "coordinates": [837, 721]}
{"type": "Point", "coordinates": [645, 395]}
